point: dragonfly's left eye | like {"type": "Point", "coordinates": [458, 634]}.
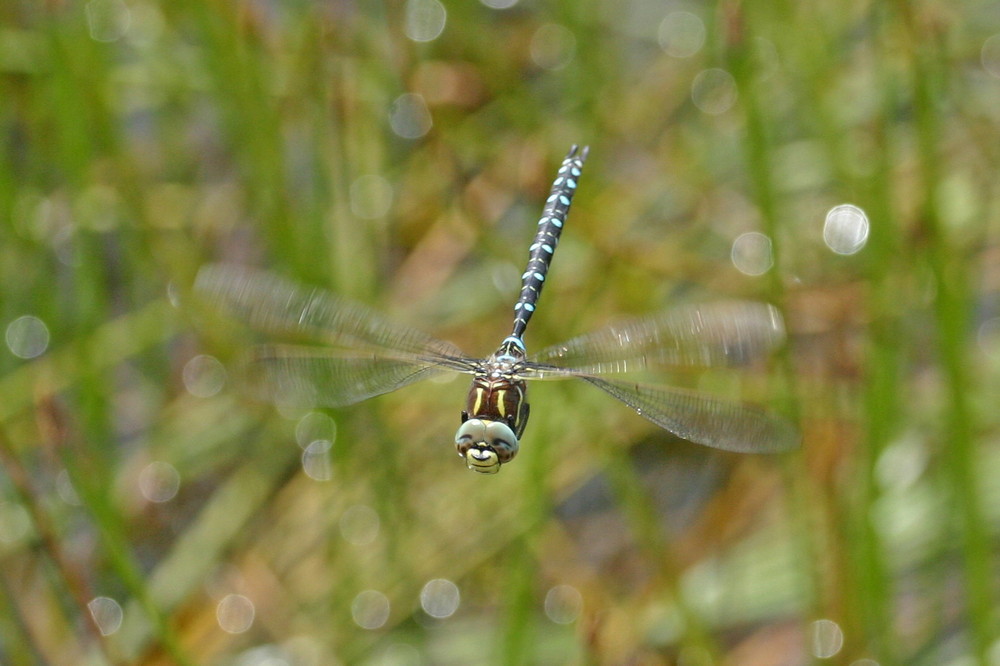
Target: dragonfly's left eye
{"type": "Point", "coordinates": [486, 445]}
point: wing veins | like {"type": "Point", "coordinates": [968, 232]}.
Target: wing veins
{"type": "Point", "coordinates": [272, 305]}
{"type": "Point", "coordinates": [319, 377]}
{"type": "Point", "coordinates": [720, 423]}
{"type": "Point", "coordinates": [715, 334]}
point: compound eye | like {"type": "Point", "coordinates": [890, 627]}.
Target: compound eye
{"type": "Point", "coordinates": [470, 433]}
{"type": "Point", "coordinates": [502, 439]}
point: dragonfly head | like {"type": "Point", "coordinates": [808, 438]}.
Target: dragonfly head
{"type": "Point", "coordinates": [486, 445]}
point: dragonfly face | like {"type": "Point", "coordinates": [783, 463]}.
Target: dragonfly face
{"type": "Point", "coordinates": [496, 410]}
{"type": "Point", "coordinates": [485, 444]}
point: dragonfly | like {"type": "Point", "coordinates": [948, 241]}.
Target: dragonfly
{"type": "Point", "coordinates": [336, 352]}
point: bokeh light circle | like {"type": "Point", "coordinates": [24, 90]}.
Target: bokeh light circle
{"type": "Point", "coordinates": [370, 609]}
{"type": "Point", "coordinates": [27, 337]}
{"type": "Point", "coordinates": [440, 598]}
{"type": "Point", "coordinates": [409, 116]}
{"type": "Point", "coordinates": [316, 460]}
{"type": "Point", "coordinates": [314, 426]}
{"type": "Point", "coordinates": [989, 55]}
{"type": "Point", "coordinates": [713, 91]}
{"type": "Point", "coordinates": [235, 613]}
{"type": "Point", "coordinates": [826, 638]}
{"type": "Point", "coordinates": [203, 376]}
{"type": "Point", "coordinates": [159, 481]}
{"type": "Point", "coordinates": [845, 230]}
{"type": "Point", "coordinates": [106, 613]}
{"type": "Point", "coordinates": [681, 34]}
{"type": "Point", "coordinates": [425, 20]}
{"type": "Point", "coordinates": [751, 253]}
{"type": "Point", "coordinates": [563, 604]}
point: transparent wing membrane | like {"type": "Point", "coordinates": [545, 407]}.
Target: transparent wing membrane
{"type": "Point", "coordinates": [279, 307]}
{"type": "Point", "coordinates": [304, 376]}
{"type": "Point", "coordinates": [363, 353]}
{"type": "Point", "coordinates": [712, 334]}
{"type": "Point", "coordinates": [705, 419]}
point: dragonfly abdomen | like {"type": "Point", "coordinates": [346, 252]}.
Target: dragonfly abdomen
{"type": "Point", "coordinates": [549, 227]}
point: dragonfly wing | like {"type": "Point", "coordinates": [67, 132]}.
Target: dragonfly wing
{"type": "Point", "coordinates": [276, 306]}
{"type": "Point", "coordinates": [712, 334]}
{"type": "Point", "coordinates": [704, 419]}
{"type": "Point", "coordinates": [303, 376]}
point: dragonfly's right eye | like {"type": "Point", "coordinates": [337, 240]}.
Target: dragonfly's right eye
{"type": "Point", "coordinates": [486, 445]}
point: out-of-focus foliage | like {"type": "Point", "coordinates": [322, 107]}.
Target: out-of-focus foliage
{"type": "Point", "coordinates": [398, 153]}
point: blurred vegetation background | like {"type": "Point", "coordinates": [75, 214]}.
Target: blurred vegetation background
{"type": "Point", "coordinates": [399, 153]}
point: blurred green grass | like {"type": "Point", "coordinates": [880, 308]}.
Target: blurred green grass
{"type": "Point", "coordinates": [350, 146]}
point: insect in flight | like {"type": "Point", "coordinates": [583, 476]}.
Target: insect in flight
{"type": "Point", "coordinates": [361, 354]}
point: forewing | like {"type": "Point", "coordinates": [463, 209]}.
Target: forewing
{"type": "Point", "coordinates": [279, 307]}
{"type": "Point", "coordinates": [303, 376]}
{"type": "Point", "coordinates": [712, 334]}
{"type": "Point", "coordinates": [361, 353]}
{"type": "Point", "coordinates": [704, 419]}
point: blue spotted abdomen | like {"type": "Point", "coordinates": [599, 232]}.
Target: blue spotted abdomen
{"type": "Point", "coordinates": [549, 227]}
